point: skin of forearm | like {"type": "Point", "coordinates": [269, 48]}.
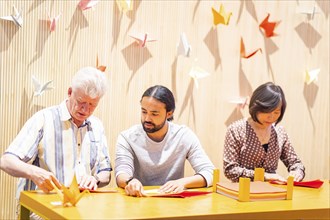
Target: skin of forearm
{"type": "Point", "coordinates": [121, 180]}
{"type": "Point", "coordinates": [15, 167]}
{"type": "Point", "coordinates": [194, 181]}
{"type": "Point", "coordinates": [104, 178]}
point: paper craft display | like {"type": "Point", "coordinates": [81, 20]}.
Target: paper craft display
{"type": "Point", "coordinates": [87, 4]}
{"type": "Point", "coordinates": [311, 75]}
{"type": "Point", "coordinates": [308, 10]}
{"type": "Point", "coordinates": [221, 17]}
{"type": "Point", "coordinates": [142, 39]}
{"type": "Point", "coordinates": [268, 27]}
{"type": "Point", "coordinates": [183, 194]}
{"type": "Point", "coordinates": [52, 21]}
{"type": "Point", "coordinates": [99, 67]}
{"type": "Point", "coordinates": [39, 88]}
{"type": "Point", "coordinates": [311, 184]}
{"type": "Point", "coordinates": [246, 191]}
{"type": "Point", "coordinates": [241, 102]}
{"type": "Point", "coordinates": [243, 52]}
{"type": "Point", "coordinates": [197, 73]}
{"type": "Point", "coordinates": [125, 5]}
{"type": "Point", "coordinates": [16, 18]}
{"type": "Point", "coordinates": [183, 47]}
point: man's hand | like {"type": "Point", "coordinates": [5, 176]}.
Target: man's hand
{"type": "Point", "coordinates": [134, 188]}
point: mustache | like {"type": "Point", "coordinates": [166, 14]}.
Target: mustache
{"type": "Point", "coordinates": [148, 123]}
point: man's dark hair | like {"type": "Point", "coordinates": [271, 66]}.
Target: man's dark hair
{"type": "Point", "coordinates": [162, 94]}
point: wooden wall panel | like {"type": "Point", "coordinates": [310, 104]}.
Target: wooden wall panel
{"type": "Point", "coordinates": [302, 44]}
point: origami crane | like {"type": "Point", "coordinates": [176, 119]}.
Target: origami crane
{"type": "Point", "coordinates": [221, 17]}
{"type": "Point", "coordinates": [39, 89]}
{"type": "Point", "coordinates": [142, 39]}
{"type": "Point", "coordinates": [268, 27]}
{"type": "Point", "coordinates": [312, 75]}
{"type": "Point", "coordinates": [197, 73]}
{"type": "Point", "coordinates": [72, 195]}
{"type": "Point", "coordinates": [101, 68]}
{"type": "Point", "coordinates": [125, 5]}
{"type": "Point", "coordinates": [16, 18]}
{"type": "Point", "coordinates": [52, 21]}
{"type": "Point", "coordinates": [183, 47]}
{"type": "Point", "coordinates": [87, 4]}
{"type": "Point", "coordinates": [243, 53]}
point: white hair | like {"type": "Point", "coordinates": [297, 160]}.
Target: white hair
{"type": "Point", "coordinates": [91, 80]}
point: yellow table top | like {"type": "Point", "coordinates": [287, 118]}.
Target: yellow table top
{"type": "Point", "coordinates": [307, 203]}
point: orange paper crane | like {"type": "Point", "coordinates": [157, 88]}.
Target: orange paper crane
{"type": "Point", "coordinates": [268, 27]}
{"type": "Point", "coordinates": [243, 53]}
{"type": "Point", "coordinates": [221, 17]}
{"type": "Point", "coordinates": [101, 68]}
{"type": "Point", "coordinates": [73, 194]}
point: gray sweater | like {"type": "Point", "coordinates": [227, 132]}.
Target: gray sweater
{"type": "Point", "coordinates": [155, 163]}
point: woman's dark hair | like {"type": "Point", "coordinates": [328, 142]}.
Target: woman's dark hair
{"type": "Point", "coordinates": [266, 98]}
{"type": "Point", "coordinates": [162, 94]}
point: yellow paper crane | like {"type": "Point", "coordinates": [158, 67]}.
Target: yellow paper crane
{"type": "Point", "coordinates": [221, 17]}
{"type": "Point", "coordinates": [70, 195]}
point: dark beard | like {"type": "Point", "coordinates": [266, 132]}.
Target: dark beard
{"type": "Point", "coordinates": [154, 129]}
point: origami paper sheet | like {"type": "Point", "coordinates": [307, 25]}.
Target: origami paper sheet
{"type": "Point", "coordinates": [183, 47]}
{"type": "Point", "coordinates": [268, 27]}
{"type": "Point", "coordinates": [16, 18]}
{"type": "Point", "coordinates": [221, 17]}
{"type": "Point", "coordinates": [243, 52]}
{"type": "Point", "coordinates": [142, 39]}
{"type": "Point", "coordinates": [52, 21]}
{"type": "Point", "coordinates": [125, 5]}
{"type": "Point", "coordinates": [87, 4]}
{"type": "Point", "coordinates": [311, 75]}
{"type": "Point", "coordinates": [99, 67]}
{"type": "Point", "coordinates": [197, 73]}
{"type": "Point", "coordinates": [39, 88]}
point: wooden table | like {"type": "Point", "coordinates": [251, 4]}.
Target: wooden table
{"type": "Point", "coordinates": [307, 203]}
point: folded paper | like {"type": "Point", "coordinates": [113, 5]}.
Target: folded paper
{"type": "Point", "coordinates": [268, 27]}
{"type": "Point", "coordinates": [39, 88]}
{"type": "Point", "coordinates": [125, 5]}
{"type": "Point", "coordinates": [243, 52]}
{"type": "Point", "coordinates": [142, 38]}
{"type": "Point", "coordinates": [197, 73]}
{"type": "Point", "coordinates": [311, 75]}
{"type": "Point", "coordinates": [183, 47]}
{"type": "Point", "coordinates": [16, 18]}
{"type": "Point", "coordinates": [87, 4]}
{"type": "Point", "coordinates": [221, 17]}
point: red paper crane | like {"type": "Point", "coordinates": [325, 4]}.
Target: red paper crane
{"type": "Point", "coordinates": [243, 53]}
{"type": "Point", "coordinates": [268, 27]}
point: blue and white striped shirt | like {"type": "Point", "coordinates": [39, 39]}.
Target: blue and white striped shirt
{"type": "Point", "coordinates": [50, 140]}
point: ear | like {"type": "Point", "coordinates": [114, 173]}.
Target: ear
{"type": "Point", "coordinates": [169, 114]}
{"type": "Point", "coordinates": [70, 91]}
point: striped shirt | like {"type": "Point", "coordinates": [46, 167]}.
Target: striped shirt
{"type": "Point", "coordinates": [50, 140]}
{"type": "Point", "coordinates": [243, 152]}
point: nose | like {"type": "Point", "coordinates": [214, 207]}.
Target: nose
{"type": "Point", "coordinates": [85, 107]}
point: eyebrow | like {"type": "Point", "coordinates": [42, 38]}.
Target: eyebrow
{"type": "Point", "coordinates": [150, 111]}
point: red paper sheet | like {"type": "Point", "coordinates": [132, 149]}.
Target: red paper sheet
{"type": "Point", "coordinates": [183, 194]}
{"type": "Point", "coordinates": [310, 184]}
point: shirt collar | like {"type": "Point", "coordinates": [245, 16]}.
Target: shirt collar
{"type": "Point", "coordinates": [65, 114]}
